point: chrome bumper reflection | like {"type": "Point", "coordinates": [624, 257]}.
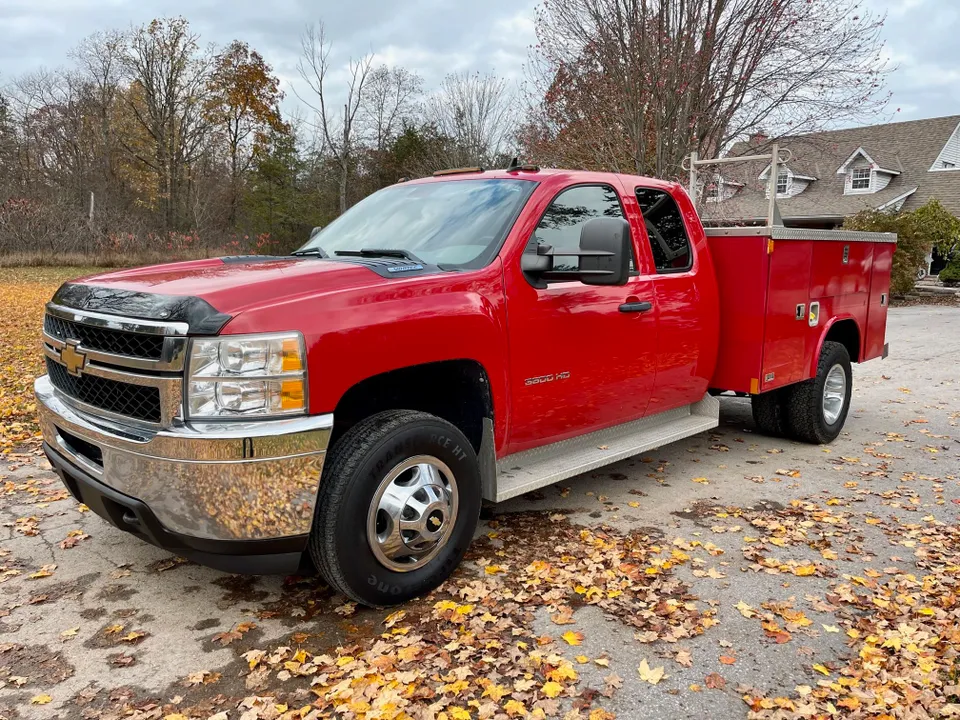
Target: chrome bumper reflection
{"type": "Point", "coordinates": [227, 481]}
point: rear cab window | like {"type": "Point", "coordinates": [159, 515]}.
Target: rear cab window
{"type": "Point", "coordinates": [666, 230]}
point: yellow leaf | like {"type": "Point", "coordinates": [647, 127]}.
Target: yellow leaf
{"type": "Point", "coordinates": [45, 571]}
{"type": "Point", "coordinates": [602, 662]}
{"type": "Point", "coordinates": [805, 570]}
{"type": "Point", "coordinates": [551, 689]}
{"type": "Point", "coordinates": [582, 659]}
{"type": "Point", "coordinates": [821, 669]}
{"type": "Point", "coordinates": [493, 569]}
{"type": "Point", "coordinates": [633, 504]}
{"type": "Point", "coordinates": [394, 617]}
{"type": "Point", "coordinates": [514, 708]}
{"type": "Point", "coordinates": [455, 688]}
{"type": "Point", "coordinates": [40, 699]}
{"type": "Point", "coordinates": [650, 675]}
{"type": "Point", "coordinates": [495, 692]}
{"type": "Point", "coordinates": [71, 632]}
{"type": "Point", "coordinates": [746, 610]}
{"type": "Point", "coordinates": [831, 628]}
{"type": "Point", "coordinates": [701, 480]}
{"type": "Point", "coordinates": [458, 713]}
{"type": "Point", "coordinates": [175, 716]}
{"type": "Point", "coordinates": [344, 660]}
{"type": "Point", "coordinates": [572, 638]}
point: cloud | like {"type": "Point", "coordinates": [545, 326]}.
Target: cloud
{"type": "Point", "coordinates": [430, 37]}
{"type": "Point", "coordinates": [433, 37]}
{"type": "Point", "coordinates": [921, 37]}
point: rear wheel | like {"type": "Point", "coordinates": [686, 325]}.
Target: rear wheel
{"type": "Point", "coordinates": [769, 413]}
{"type": "Point", "coordinates": [399, 502]}
{"type": "Point", "coordinates": [817, 408]}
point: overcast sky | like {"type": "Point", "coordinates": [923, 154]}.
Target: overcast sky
{"type": "Point", "coordinates": [434, 37]}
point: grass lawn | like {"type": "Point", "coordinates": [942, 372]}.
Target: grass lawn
{"type": "Point", "coordinates": [23, 293]}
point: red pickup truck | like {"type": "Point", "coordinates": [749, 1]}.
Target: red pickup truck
{"type": "Point", "coordinates": [460, 338]}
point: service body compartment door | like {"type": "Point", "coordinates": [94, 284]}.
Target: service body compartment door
{"type": "Point", "coordinates": [788, 307]}
{"type": "Point", "coordinates": [879, 300]}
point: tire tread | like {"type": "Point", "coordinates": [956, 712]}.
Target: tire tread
{"type": "Point", "coordinates": [338, 472]}
{"type": "Point", "coordinates": [803, 406]}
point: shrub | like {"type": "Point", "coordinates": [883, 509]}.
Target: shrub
{"type": "Point", "coordinates": [917, 233]}
{"type": "Point", "coordinates": [950, 275]}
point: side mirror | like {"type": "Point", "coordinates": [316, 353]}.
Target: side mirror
{"type": "Point", "coordinates": [605, 251]}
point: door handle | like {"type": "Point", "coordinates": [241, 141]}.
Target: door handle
{"type": "Point", "coordinates": [636, 307]}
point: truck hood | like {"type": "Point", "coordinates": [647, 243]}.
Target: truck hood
{"type": "Point", "coordinates": [227, 285]}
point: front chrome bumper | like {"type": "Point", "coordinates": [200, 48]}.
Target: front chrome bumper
{"type": "Point", "coordinates": [222, 482]}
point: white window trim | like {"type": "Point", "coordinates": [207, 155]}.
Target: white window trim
{"type": "Point", "coordinates": [787, 186]}
{"type": "Point", "coordinates": [854, 179]}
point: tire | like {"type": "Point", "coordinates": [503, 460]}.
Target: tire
{"type": "Point", "coordinates": [354, 474]}
{"type": "Point", "coordinates": [769, 413]}
{"type": "Point", "coordinates": [806, 416]}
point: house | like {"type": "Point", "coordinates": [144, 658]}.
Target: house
{"type": "Point", "coordinates": [832, 175]}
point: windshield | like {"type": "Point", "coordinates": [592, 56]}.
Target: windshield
{"type": "Point", "coordinates": [454, 224]}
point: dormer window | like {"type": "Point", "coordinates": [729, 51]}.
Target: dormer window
{"type": "Point", "coordinates": [863, 175]}
{"type": "Point", "coordinates": [861, 179]}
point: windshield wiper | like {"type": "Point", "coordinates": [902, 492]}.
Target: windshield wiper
{"type": "Point", "coordinates": [380, 252]}
{"type": "Point", "coordinates": [317, 251]}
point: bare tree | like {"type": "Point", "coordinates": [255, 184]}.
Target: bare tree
{"type": "Point", "coordinates": [338, 130]}
{"type": "Point", "coordinates": [99, 60]}
{"type": "Point", "coordinates": [478, 114]}
{"type": "Point", "coordinates": [390, 99]}
{"type": "Point", "coordinates": [637, 84]}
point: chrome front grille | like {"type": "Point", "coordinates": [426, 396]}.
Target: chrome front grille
{"type": "Point", "coordinates": [137, 401]}
{"type": "Point", "coordinates": [122, 369]}
{"type": "Point", "coordinates": [116, 342]}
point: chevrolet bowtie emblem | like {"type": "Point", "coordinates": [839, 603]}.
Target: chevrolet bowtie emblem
{"type": "Point", "coordinates": [72, 358]}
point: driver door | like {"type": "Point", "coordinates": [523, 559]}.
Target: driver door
{"type": "Point", "coordinates": [582, 357]}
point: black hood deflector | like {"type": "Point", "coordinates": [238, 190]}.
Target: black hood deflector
{"type": "Point", "coordinates": [201, 317]}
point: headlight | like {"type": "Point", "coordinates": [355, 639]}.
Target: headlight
{"type": "Point", "coordinates": [244, 375]}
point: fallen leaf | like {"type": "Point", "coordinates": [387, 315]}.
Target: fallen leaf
{"type": "Point", "coordinates": [650, 675]}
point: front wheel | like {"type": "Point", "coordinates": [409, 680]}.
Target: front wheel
{"type": "Point", "coordinates": [817, 408]}
{"type": "Point", "coordinates": [399, 502]}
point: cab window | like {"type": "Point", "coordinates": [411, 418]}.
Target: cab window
{"type": "Point", "coordinates": [665, 230]}
{"type": "Point", "coordinates": [562, 222]}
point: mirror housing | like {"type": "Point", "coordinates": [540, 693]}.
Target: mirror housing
{"type": "Point", "coordinates": [605, 251]}
{"type": "Point", "coordinates": [604, 256]}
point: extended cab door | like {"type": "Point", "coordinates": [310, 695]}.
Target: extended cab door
{"type": "Point", "coordinates": [581, 357]}
{"type": "Point", "coordinates": [686, 292]}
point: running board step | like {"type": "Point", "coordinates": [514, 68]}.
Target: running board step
{"type": "Point", "coordinates": [525, 471]}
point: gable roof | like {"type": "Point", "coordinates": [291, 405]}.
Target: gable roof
{"type": "Point", "coordinates": [909, 148]}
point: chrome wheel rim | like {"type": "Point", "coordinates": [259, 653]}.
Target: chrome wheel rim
{"type": "Point", "coordinates": [834, 394]}
{"type": "Point", "coordinates": [413, 513]}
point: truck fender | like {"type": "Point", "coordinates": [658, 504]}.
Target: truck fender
{"type": "Point", "coordinates": [824, 334]}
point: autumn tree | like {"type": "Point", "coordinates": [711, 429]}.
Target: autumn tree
{"type": "Point", "coordinates": [635, 85]}
{"type": "Point", "coordinates": [243, 101]}
{"type": "Point", "coordinates": [163, 60]}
